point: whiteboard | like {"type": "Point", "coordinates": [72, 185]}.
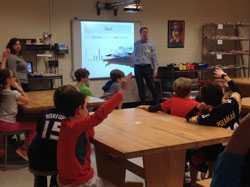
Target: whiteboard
{"type": "Point", "coordinates": [94, 41]}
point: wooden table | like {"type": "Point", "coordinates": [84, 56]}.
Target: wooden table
{"type": "Point", "coordinates": [204, 183]}
{"type": "Point", "coordinates": [244, 84]}
{"type": "Point", "coordinates": [245, 104]}
{"type": "Point", "coordinates": [160, 139]}
{"type": "Point", "coordinates": [43, 100]}
{"type": "Point", "coordinates": [245, 81]}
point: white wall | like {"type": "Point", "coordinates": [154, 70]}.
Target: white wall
{"type": "Point", "coordinates": [29, 18]}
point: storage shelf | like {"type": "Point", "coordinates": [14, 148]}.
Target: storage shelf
{"type": "Point", "coordinates": [228, 67]}
{"type": "Point", "coordinates": [230, 24]}
{"type": "Point", "coordinates": [230, 38]}
{"type": "Point", "coordinates": [233, 53]}
{"type": "Point", "coordinates": [233, 45]}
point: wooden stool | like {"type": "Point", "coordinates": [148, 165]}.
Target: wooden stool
{"type": "Point", "coordinates": [5, 135]}
{"type": "Point", "coordinates": [204, 183]}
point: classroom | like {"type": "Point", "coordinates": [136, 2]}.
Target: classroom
{"type": "Point", "coordinates": [125, 93]}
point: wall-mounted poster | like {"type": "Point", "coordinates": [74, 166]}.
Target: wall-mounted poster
{"type": "Point", "coordinates": [176, 33]}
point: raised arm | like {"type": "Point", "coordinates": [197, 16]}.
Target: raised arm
{"type": "Point", "coordinates": [80, 125]}
{"type": "Point", "coordinates": [126, 61]}
{"type": "Point", "coordinates": [5, 56]}
{"type": "Point", "coordinates": [23, 99]}
{"type": "Point", "coordinates": [219, 73]}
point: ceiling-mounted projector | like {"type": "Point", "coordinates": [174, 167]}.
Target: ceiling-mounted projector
{"type": "Point", "coordinates": [131, 6]}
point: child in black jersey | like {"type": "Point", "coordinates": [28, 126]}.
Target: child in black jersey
{"type": "Point", "coordinates": [43, 150]}
{"type": "Point", "coordinates": [220, 112]}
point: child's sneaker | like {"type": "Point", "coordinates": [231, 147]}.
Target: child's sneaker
{"type": "Point", "coordinates": [22, 152]}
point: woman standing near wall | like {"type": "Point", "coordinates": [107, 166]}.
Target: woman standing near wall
{"type": "Point", "coordinates": [12, 60]}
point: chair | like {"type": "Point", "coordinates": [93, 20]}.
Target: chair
{"type": "Point", "coordinates": [5, 135]}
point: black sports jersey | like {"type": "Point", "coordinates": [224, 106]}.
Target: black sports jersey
{"type": "Point", "coordinates": [226, 115]}
{"type": "Point", "coordinates": [43, 149]}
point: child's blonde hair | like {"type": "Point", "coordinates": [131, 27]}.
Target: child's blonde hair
{"type": "Point", "coordinates": [182, 87]}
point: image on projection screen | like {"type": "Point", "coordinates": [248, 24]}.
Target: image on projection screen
{"type": "Point", "coordinates": [103, 40]}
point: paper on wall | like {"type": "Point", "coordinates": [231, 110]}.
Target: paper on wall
{"type": "Point", "coordinates": [219, 56]}
{"type": "Point", "coordinates": [220, 42]}
{"type": "Point", "coordinates": [220, 26]}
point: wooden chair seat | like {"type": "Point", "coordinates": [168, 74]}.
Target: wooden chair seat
{"type": "Point", "coordinates": [204, 183]}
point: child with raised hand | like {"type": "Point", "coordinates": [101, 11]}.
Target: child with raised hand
{"type": "Point", "coordinates": [220, 112]}
{"type": "Point", "coordinates": [73, 149]}
{"type": "Point", "coordinates": [82, 78]}
{"type": "Point", "coordinates": [9, 100]}
{"type": "Point", "coordinates": [180, 103]}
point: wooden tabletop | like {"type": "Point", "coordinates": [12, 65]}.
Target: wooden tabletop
{"type": "Point", "coordinates": [205, 183]}
{"type": "Point", "coordinates": [135, 132]}
{"type": "Point", "coordinates": [43, 100]}
{"type": "Point", "coordinates": [245, 103]}
{"type": "Point", "coordinates": [245, 81]}
{"type": "Point", "coordinates": [244, 85]}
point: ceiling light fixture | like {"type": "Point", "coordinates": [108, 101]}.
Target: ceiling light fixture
{"type": "Point", "coordinates": [131, 6]}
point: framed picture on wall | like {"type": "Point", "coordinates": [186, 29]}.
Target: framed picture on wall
{"type": "Point", "coordinates": [176, 33]}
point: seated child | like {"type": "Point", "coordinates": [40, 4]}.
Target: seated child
{"type": "Point", "coordinates": [9, 100]}
{"type": "Point", "coordinates": [220, 113]}
{"type": "Point", "coordinates": [114, 84]}
{"type": "Point", "coordinates": [73, 149]}
{"type": "Point", "coordinates": [82, 78]}
{"type": "Point", "coordinates": [43, 149]}
{"type": "Point", "coordinates": [179, 104]}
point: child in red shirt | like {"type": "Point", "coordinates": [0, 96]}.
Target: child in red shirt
{"type": "Point", "coordinates": [179, 104]}
{"type": "Point", "coordinates": [73, 148]}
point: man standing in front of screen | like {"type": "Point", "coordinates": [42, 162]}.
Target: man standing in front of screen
{"type": "Point", "coordinates": [145, 65]}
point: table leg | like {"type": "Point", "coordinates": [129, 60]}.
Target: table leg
{"type": "Point", "coordinates": [132, 184]}
{"type": "Point", "coordinates": [110, 168]}
{"type": "Point", "coordinates": [165, 169]}
{"type": "Point", "coordinates": [6, 151]}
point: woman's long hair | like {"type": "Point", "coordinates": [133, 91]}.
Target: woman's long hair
{"type": "Point", "coordinates": [11, 44]}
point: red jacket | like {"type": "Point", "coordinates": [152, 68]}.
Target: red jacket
{"type": "Point", "coordinates": [178, 106]}
{"type": "Point", "coordinates": [70, 170]}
